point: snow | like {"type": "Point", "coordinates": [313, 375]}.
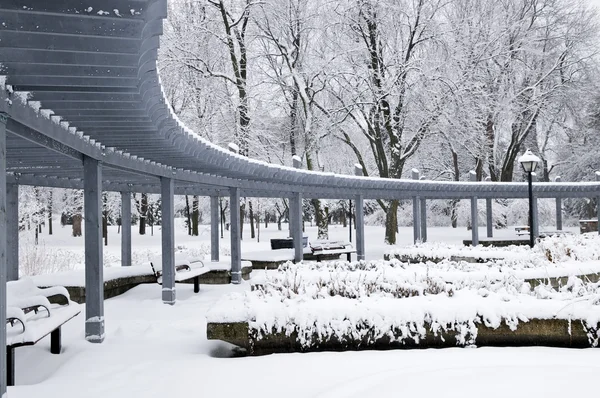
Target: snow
{"type": "Point", "coordinates": [154, 350]}
{"type": "Point", "coordinates": [40, 324]}
{"type": "Point", "coordinates": [77, 277]}
{"type": "Point", "coordinates": [356, 299]}
{"type": "Point", "coordinates": [340, 299]}
{"type": "Point", "coordinates": [233, 147]}
{"type": "Point", "coordinates": [272, 255]}
{"type": "Point", "coordinates": [17, 313]}
{"type": "Point", "coordinates": [528, 156]}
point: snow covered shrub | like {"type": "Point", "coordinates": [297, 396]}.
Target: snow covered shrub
{"type": "Point", "coordinates": [356, 303]}
{"type": "Point", "coordinates": [39, 259]}
{"type": "Point", "coordinates": [518, 212]}
{"type": "Point", "coordinates": [584, 247]}
{"type": "Point", "coordinates": [350, 280]}
{"type": "Point", "coordinates": [201, 251]}
{"type": "Point", "coordinates": [375, 218]}
{"type": "Point", "coordinates": [144, 256]}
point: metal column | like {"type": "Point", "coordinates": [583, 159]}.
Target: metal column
{"type": "Point", "coordinates": [296, 217]}
{"type": "Point", "coordinates": [3, 231]}
{"type": "Point", "coordinates": [559, 223]}
{"type": "Point", "coordinates": [423, 206]}
{"type": "Point", "coordinates": [94, 275]}
{"type": "Point", "coordinates": [167, 193]}
{"type": "Point", "coordinates": [489, 219]}
{"type": "Point", "coordinates": [474, 214]}
{"type": "Point", "coordinates": [416, 211]}
{"type": "Point", "coordinates": [360, 218]}
{"type": "Point", "coordinates": [125, 229]}
{"type": "Point", "coordinates": [236, 244]}
{"type": "Point", "coordinates": [535, 222]}
{"type": "Point", "coordinates": [214, 229]}
{"type": "Point", "coordinates": [489, 215]}
{"type": "Point", "coordinates": [12, 232]}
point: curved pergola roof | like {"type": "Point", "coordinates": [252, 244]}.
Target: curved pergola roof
{"type": "Point", "coordinates": [94, 90]}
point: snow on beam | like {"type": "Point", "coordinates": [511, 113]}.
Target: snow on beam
{"type": "Point", "coordinates": [71, 24]}
{"type": "Point", "coordinates": [78, 8]}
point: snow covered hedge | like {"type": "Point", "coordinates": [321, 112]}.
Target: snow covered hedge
{"type": "Point", "coordinates": [401, 302]}
{"type": "Point", "coordinates": [556, 249]}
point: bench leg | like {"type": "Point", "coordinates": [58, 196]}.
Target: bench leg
{"type": "Point", "coordinates": [196, 284]}
{"type": "Point", "coordinates": [55, 343]}
{"type": "Point", "coordinates": [10, 366]}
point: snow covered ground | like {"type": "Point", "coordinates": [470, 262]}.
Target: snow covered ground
{"type": "Point", "coordinates": [155, 350]}
{"type": "Point", "coordinates": [374, 243]}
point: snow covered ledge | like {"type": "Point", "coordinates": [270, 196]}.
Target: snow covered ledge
{"type": "Point", "coordinates": [268, 322]}
{"type": "Point", "coordinates": [382, 305]}
{"type": "Point", "coordinates": [118, 280]}
{"type": "Point", "coordinates": [535, 332]}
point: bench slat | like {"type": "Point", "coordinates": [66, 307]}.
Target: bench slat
{"type": "Point", "coordinates": [39, 327]}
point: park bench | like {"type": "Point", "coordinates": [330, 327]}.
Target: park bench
{"type": "Point", "coordinates": [522, 230]}
{"type": "Point", "coordinates": [328, 250]}
{"type": "Point", "coordinates": [588, 226]}
{"type": "Point", "coordinates": [32, 314]}
{"type": "Point", "coordinates": [286, 243]}
{"type": "Point", "coordinates": [185, 270]}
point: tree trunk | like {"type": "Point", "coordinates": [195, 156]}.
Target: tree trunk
{"type": "Point", "coordinates": [143, 213]}
{"type": "Point", "coordinates": [77, 225]}
{"type": "Point", "coordinates": [50, 213]}
{"type": "Point", "coordinates": [105, 218]}
{"type": "Point", "coordinates": [105, 229]}
{"type": "Point", "coordinates": [188, 215]}
{"type": "Point", "coordinates": [223, 216]}
{"type": "Point", "coordinates": [489, 139]}
{"type": "Point", "coordinates": [391, 222]}
{"type": "Point", "coordinates": [454, 212]}
{"type": "Point", "coordinates": [195, 215]}
{"type": "Point", "coordinates": [258, 226]}
{"type": "Point", "coordinates": [320, 219]}
{"type": "Point", "coordinates": [251, 215]}
{"type": "Point", "coordinates": [454, 202]}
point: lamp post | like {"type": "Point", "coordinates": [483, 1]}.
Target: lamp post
{"type": "Point", "coordinates": [529, 163]}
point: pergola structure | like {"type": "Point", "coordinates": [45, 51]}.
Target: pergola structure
{"type": "Point", "coordinates": [82, 107]}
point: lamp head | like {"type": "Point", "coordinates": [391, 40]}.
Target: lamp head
{"type": "Point", "coordinates": [529, 161]}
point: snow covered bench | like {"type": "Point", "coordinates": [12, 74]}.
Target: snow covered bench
{"type": "Point", "coordinates": [522, 230]}
{"type": "Point", "coordinates": [39, 312]}
{"type": "Point", "coordinates": [185, 269]}
{"type": "Point", "coordinates": [324, 249]}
